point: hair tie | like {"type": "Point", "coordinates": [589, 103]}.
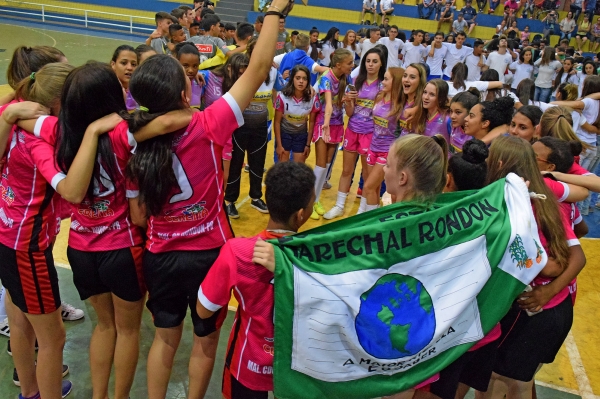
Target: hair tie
{"type": "Point", "coordinates": [144, 109]}
{"type": "Point", "coordinates": [32, 76]}
{"type": "Point", "coordinates": [560, 116]}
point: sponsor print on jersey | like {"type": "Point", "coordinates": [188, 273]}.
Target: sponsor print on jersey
{"type": "Point", "coordinates": [381, 122]}
{"type": "Point", "coordinates": [8, 195]}
{"type": "Point", "coordinates": [204, 48]}
{"type": "Point", "coordinates": [97, 210]}
{"type": "Point", "coordinates": [190, 212]}
{"type": "Point", "coordinates": [365, 103]}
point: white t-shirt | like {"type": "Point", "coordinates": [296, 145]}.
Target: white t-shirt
{"type": "Point", "coordinates": [355, 52]}
{"type": "Point", "coordinates": [590, 112]}
{"type": "Point", "coordinates": [479, 85]}
{"type": "Point", "coordinates": [546, 73]}
{"type": "Point", "coordinates": [369, 3]}
{"type": "Point", "coordinates": [327, 50]}
{"type": "Point", "coordinates": [387, 4]}
{"type": "Point", "coordinates": [393, 47]}
{"type": "Point", "coordinates": [568, 78]}
{"type": "Point", "coordinates": [435, 62]}
{"type": "Point", "coordinates": [472, 63]}
{"type": "Point", "coordinates": [499, 62]}
{"type": "Point", "coordinates": [413, 54]}
{"type": "Point", "coordinates": [366, 46]}
{"type": "Point", "coordinates": [582, 77]}
{"type": "Point", "coordinates": [455, 56]}
{"type": "Point", "coordinates": [522, 71]}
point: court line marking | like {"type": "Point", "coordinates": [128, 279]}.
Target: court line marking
{"type": "Point", "coordinates": [583, 382]}
{"type": "Point", "coordinates": [63, 265]}
{"type": "Point", "coordinates": [42, 33]}
{"type": "Point", "coordinates": [557, 387]}
{"type": "Point", "coordinates": [78, 34]}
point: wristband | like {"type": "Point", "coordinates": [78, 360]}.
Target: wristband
{"type": "Point", "coordinates": [280, 15]}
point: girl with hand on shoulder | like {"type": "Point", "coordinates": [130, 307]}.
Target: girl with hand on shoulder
{"type": "Point", "coordinates": [460, 106]}
{"type": "Point", "coordinates": [489, 119]}
{"type": "Point", "coordinates": [458, 82]}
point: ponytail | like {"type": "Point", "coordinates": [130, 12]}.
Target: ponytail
{"type": "Point", "coordinates": [338, 57]}
{"type": "Point", "coordinates": [44, 86]}
{"type": "Point", "coordinates": [26, 60]}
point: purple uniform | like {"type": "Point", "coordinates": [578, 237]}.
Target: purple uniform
{"type": "Point", "coordinates": [385, 126]}
{"type": "Point", "coordinates": [196, 100]}
{"type": "Point", "coordinates": [405, 128]}
{"type": "Point", "coordinates": [214, 88]}
{"type": "Point", "coordinates": [130, 102]}
{"type": "Point", "coordinates": [457, 139]}
{"type": "Point", "coordinates": [361, 121]}
{"type": "Point", "coordinates": [439, 124]}
{"type": "Point", "coordinates": [327, 82]}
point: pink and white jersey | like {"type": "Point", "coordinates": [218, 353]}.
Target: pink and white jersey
{"type": "Point", "coordinates": [295, 113]}
{"type": "Point", "coordinates": [194, 218]}
{"type": "Point", "coordinates": [196, 100]}
{"type": "Point", "coordinates": [361, 121]}
{"type": "Point", "coordinates": [250, 347]}
{"type": "Point", "coordinates": [213, 89]}
{"type": "Point", "coordinates": [329, 83]}
{"type": "Point", "coordinates": [385, 126]}
{"type": "Point", "coordinates": [28, 221]}
{"type": "Point", "coordinates": [439, 124]}
{"type": "Point", "coordinates": [560, 190]}
{"type": "Point", "coordinates": [130, 103]}
{"type": "Point", "coordinates": [458, 138]}
{"type": "Point", "coordinates": [102, 223]}
{"type": "Point", "coordinates": [576, 169]}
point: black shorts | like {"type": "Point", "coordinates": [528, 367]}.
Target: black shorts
{"type": "Point", "coordinates": [295, 143]}
{"type": "Point", "coordinates": [118, 272]}
{"type": "Point", "coordinates": [233, 389]}
{"type": "Point", "coordinates": [31, 279]}
{"type": "Point", "coordinates": [173, 279]}
{"type": "Point", "coordinates": [473, 369]}
{"type": "Point", "coordinates": [527, 341]}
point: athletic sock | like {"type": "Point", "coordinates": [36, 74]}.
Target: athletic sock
{"type": "Point", "coordinates": [320, 174]}
{"type": "Point", "coordinates": [363, 205]}
{"type": "Point", "coordinates": [341, 199]}
{"type": "Point", "coordinates": [371, 207]}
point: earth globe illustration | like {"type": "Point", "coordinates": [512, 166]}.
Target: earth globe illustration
{"type": "Point", "coordinates": [396, 317]}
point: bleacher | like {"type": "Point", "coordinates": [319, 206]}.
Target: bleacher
{"type": "Point", "coordinates": [136, 17]}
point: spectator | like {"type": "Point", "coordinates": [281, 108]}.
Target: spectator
{"type": "Point", "coordinates": [387, 8]}
{"type": "Point", "coordinates": [481, 4]}
{"type": "Point", "coordinates": [460, 25]}
{"type": "Point", "coordinates": [596, 36]}
{"type": "Point", "coordinates": [470, 15]}
{"type": "Point", "coordinates": [369, 6]}
{"type": "Point", "coordinates": [437, 54]}
{"type": "Point", "coordinates": [290, 46]}
{"type": "Point", "coordinates": [385, 25]}
{"type": "Point", "coordinates": [368, 44]}
{"type": "Point", "coordinates": [450, 38]}
{"type": "Point", "coordinates": [229, 34]}
{"type": "Point", "coordinates": [258, 24]}
{"type": "Point", "coordinates": [590, 8]}
{"type": "Point", "coordinates": [576, 7]}
{"type": "Point", "coordinates": [458, 53]}
{"type": "Point", "coordinates": [528, 8]}
{"type": "Point", "coordinates": [547, 68]}
{"type": "Point", "coordinates": [445, 15]}
{"type": "Point", "coordinates": [525, 35]}
{"type": "Point", "coordinates": [567, 26]}
{"type": "Point", "coordinates": [414, 52]}
{"type": "Point", "coordinates": [300, 56]}
{"type": "Point", "coordinates": [315, 46]}
{"type": "Point", "coordinates": [493, 5]}
{"type": "Point", "coordinates": [550, 22]}
{"type": "Point", "coordinates": [512, 5]}
{"type": "Point", "coordinates": [195, 29]}
{"type": "Point", "coordinates": [583, 33]}
{"type": "Point", "coordinates": [513, 32]}
{"type": "Point", "coordinates": [351, 44]}
{"type": "Point", "coordinates": [428, 6]}
{"type": "Point", "coordinates": [500, 59]}
{"type": "Point", "coordinates": [501, 29]}
{"type": "Point", "coordinates": [394, 46]}
{"type": "Point", "coordinates": [176, 33]}
{"type": "Point", "coordinates": [282, 37]}
{"type": "Point", "coordinates": [182, 20]}
{"type": "Point", "coordinates": [329, 44]}
{"type": "Point", "coordinates": [475, 61]}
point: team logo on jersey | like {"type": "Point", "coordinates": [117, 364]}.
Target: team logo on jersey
{"type": "Point", "coordinates": [8, 195]}
{"type": "Point", "coordinates": [204, 48]}
{"type": "Point", "coordinates": [97, 210]}
{"type": "Point", "coordinates": [190, 213]}
{"type": "Point", "coordinates": [269, 349]}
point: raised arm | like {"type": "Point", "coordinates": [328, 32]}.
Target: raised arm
{"type": "Point", "coordinates": [591, 181]}
{"type": "Point", "coordinates": [262, 57]}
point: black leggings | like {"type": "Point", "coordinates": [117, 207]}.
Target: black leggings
{"type": "Point", "coordinates": [253, 140]}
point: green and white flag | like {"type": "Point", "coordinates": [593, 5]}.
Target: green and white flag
{"type": "Point", "coordinates": [376, 304]}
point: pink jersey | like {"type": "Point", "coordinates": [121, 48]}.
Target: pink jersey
{"type": "Point", "coordinates": [130, 103]}
{"type": "Point", "coordinates": [28, 221]}
{"type": "Point", "coordinates": [250, 346]}
{"type": "Point", "coordinates": [104, 224]}
{"type": "Point", "coordinates": [458, 138]}
{"type": "Point", "coordinates": [578, 170]}
{"type": "Point", "coordinates": [561, 192]}
{"type": "Point", "coordinates": [361, 121]}
{"type": "Point", "coordinates": [439, 124]}
{"type": "Point", "coordinates": [385, 126]}
{"type": "Point", "coordinates": [329, 83]}
{"type": "Point", "coordinates": [194, 218]}
{"type": "Point", "coordinates": [213, 89]}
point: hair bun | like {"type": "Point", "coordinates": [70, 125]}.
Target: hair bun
{"type": "Point", "coordinates": [473, 90]}
{"type": "Point", "coordinates": [475, 151]}
{"type": "Point", "coordinates": [504, 104]}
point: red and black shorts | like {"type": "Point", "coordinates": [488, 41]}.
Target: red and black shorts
{"type": "Point", "coordinates": [118, 271]}
{"type": "Point", "coordinates": [31, 279]}
{"type": "Point", "coordinates": [233, 389]}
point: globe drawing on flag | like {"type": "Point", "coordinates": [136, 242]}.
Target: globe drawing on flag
{"type": "Point", "coordinates": [396, 317]}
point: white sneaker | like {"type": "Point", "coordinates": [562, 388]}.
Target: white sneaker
{"type": "Point", "coordinates": [333, 213]}
{"type": "Point", "coordinates": [70, 313]}
{"type": "Point", "coordinates": [4, 328]}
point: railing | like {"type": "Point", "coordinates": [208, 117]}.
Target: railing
{"type": "Point", "coordinates": [45, 14]}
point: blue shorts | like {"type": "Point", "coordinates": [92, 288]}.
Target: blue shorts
{"type": "Point", "coordinates": [295, 143]}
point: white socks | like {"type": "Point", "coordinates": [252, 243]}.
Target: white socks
{"type": "Point", "coordinates": [2, 304]}
{"type": "Point", "coordinates": [320, 174]}
{"type": "Point", "coordinates": [371, 207]}
{"type": "Point", "coordinates": [341, 199]}
{"type": "Point", "coordinates": [363, 205]}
